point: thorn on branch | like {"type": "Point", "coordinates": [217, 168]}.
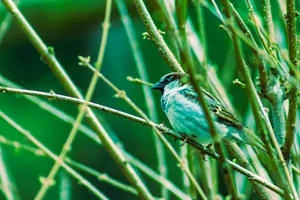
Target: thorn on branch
{"type": "Point", "coordinates": [39, 153]}
{"type": "Point", "coordinates": [51, 51]}
{"type": "Point", "coordinates": [45, 181]}
{"type": "Point", "coordinates": [238, 82]}
{"type": "Point", "coordinates": [161, 32]}
{"type": "Point", "coordinates": [146, 35]}
{"type": "Point", "coordinates": [52, 93]}
{"type": "Point", "coordinates": [140, 81]}
{"type": "Point", "coordinates": [84, 61]}
{"type": "Point", "coordinates": [2, 89]}
{"type": "Point", "coordinates": [121, 94]}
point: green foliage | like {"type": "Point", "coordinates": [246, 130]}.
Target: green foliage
{"type": "Point", "coordinates": [251, 64]}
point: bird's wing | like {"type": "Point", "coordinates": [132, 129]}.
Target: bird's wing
{"type": "Point", "coordinates": [221, 113]}
{"type": "Point", "coordinates": [224, 116]}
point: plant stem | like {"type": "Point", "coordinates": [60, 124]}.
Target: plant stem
{"type": "Point", "coordinates": [268, 21]}
{"type": "Point", "coordinates": [8, 187]}
{"type": "Point", "coordinates": [156, 36]}
{"type": "Point", "coordinates": [262, 120]}
{"type": "Point", "coordinates": [32, 139]}
{"type": "Point", "coordinates": [292, 47]}
{"type": "Point", "coordinates": [242, 160]}
{"type": "Point", "coordinates": [103, 177]}
{"type": "Point", "coordinates": [148, 96]}
{"type": "Point", "coordinates": [160, 127]}
{"type": "Point", "coordinates": [67, 146]}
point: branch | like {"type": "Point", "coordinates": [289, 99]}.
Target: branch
{"type": "Point", "coordinates": [148, 96]}
{"type": "Point", "coordinates": [67, 145]}
{"type": "Point", "coordinates": [292, 46]}
{"type": "Point", "coordinates": [156, 36]}
{"type": "Point", "coordinates": [32, 139]}
{"type": "Point", "coordinates": [261, 118]}
{"type": "Point", "coordinates": [162, 128]}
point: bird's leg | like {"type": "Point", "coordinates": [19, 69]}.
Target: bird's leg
{"type": "Point", "coordinates": [184, 141]}
{"type": "Point", "coordinates": [209, 148]}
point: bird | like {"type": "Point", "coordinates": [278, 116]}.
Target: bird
{"type": "Point", "coordinates": [180, 103]}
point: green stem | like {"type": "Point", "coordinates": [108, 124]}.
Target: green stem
{"type": "Point", "coordinates": [268, 20]}
{"type": "Point", "coordinates": [160, 127]}
{"type": "Point", "coordinates": [32, 139]}
{"type": "Point", "coordinates": [67, 146]}
{"type": "Point", "coordinates": [243, 161]}
{"type": "Point", "coordinates": [292, 47]}
{"type": "Point", "coordinates": [261, 118]}
{"type": "Point", "coordinates": [156, 36]}
{"type": "Point", "coordinates": [148, 96]}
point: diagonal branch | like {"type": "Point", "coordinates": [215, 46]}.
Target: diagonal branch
{"type": "Point", "coordinates": [160, 127]}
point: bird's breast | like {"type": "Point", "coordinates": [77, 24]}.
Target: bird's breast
{"type": "Point", "coordinates": [186, 117]}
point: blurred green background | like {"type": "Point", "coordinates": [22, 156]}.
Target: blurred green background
{"type": "Point", "coordinates": [74, 28]}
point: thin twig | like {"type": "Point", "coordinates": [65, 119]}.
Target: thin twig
{"type": "Point", "coordinates": [32, 139]}
{"type": "Point", "coordinates": [7, 185]}
{"type": "Point", "coordinates": [292, 47]}
{"type": "Point", "coordinates": [243, 161]}
{"type": "Point", "coordinates": [268, 21]}
{"type": "Point", "coordinates": [160, 127]}
{"type": "Point", "coordinates": [6, 23]}
{"type": "Point", "coordinates": [259, 112]}
{"type": "Point", "coordinates": [156, 36]}
{"type": "Point", "coordinates": [103, 177]}
{"type": "Point", "coordinates": [67, 146]}
{"type": "Point", "coordinates": [269, 84]}
{"type": "Point", "coordinates": [148, 96]}
{"type": "Point", "coordinates": [213, 131]}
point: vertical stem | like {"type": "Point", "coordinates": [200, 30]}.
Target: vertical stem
{"type": "Point", "coordinates": [83, 109]}
{"type": "Point", "coordinates": [206, 171]}
{"type": "Point", "coordinates": [191, 166]}
{"type": "Point", "coordinates": [268, 21]}
{"type": "Point", "coordinates": [201, 30]}
{"type": "Point", "coordinates": [65, 186]}
{"type": "Point", "coordinates": [7, 186]}
{"type": "Point", "coordinates": [292, 47]}
{"type": "Point", "coordinates": [149, 99]}
{"type": "Point", "coordinates": [156, 37]}
{"type": "Point", "coordinates": [261, 118]}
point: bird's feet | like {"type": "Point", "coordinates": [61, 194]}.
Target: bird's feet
{"type": "Point", "coordinates": [210, 149]}
{"type": "Point", "coordinates": [184, 140]}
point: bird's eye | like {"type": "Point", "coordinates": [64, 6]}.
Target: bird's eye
{"type": "Point", "coordinates": [170, 78]}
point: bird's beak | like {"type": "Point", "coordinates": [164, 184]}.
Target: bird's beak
{"type": "Point", "coordinates": [157, 86]}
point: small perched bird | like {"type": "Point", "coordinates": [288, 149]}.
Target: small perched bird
{"type": "Point", "coordinates": [180, 103]}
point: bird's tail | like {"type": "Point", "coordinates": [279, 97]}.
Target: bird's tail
{"type": "Point", "coordinates": [250, 138]}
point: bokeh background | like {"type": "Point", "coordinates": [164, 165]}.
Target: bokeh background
{"type": "Point", "coordinates": [74, 28]}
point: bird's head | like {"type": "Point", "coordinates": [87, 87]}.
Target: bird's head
{"type": "Point", "coordinates": [169, 80]}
